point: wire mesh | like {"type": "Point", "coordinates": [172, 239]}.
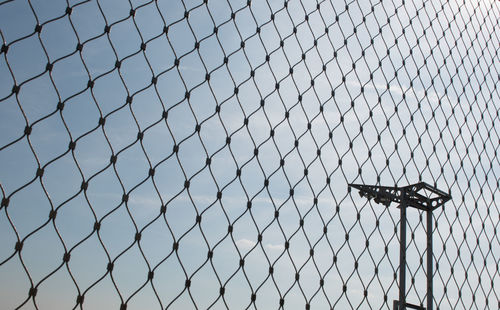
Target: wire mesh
{"type": "Point", "coordinates": [196, 154]}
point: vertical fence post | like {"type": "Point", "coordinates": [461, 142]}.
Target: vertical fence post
{"type": "Point", "coordinates": [402, 253]}
{"type": "Point", "coordinates": [430, 296]}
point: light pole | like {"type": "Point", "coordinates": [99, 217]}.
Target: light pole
{"type": "Point", "coordinates": [423, 197]}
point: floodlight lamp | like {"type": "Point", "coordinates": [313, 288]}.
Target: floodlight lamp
{"type": "Point", "coordinates": [383, 200]}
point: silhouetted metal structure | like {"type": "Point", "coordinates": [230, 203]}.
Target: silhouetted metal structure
{"type": "Point", "coordinates": [423, 197]}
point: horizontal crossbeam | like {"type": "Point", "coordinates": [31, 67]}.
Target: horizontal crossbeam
{"type": "Point", "coordinates": [406, 306]}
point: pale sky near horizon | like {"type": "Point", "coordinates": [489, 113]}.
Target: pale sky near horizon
{"type": "Point", "coordinates": [393, 94]}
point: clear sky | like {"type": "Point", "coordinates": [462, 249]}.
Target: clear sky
{"type": "Point", "coordinates": [205, 142]}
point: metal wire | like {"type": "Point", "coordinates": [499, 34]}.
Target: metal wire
{"type": "Point", "coordinates": [196, 154]}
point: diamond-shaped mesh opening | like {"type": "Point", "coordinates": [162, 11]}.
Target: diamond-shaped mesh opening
{"type": "Point", "coordinates": [197, 154]}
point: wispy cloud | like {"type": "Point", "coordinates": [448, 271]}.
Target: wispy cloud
{"type": "Point", "coordinates": [245, 244]}
{"type": "Point", "coordinates": [274, 247]}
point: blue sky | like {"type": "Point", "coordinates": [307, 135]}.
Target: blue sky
{"type": "Point", "coordinates": [423, 108]}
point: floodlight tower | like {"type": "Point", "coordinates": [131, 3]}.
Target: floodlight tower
{"type": "Point", "coordinates": [423, 197]}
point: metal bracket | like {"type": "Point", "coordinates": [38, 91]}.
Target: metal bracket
{"type": "Point", "coordinates": [406, 306]}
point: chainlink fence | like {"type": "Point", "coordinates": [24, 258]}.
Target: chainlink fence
{"type": "Point", "coordinates": [195, 154]}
